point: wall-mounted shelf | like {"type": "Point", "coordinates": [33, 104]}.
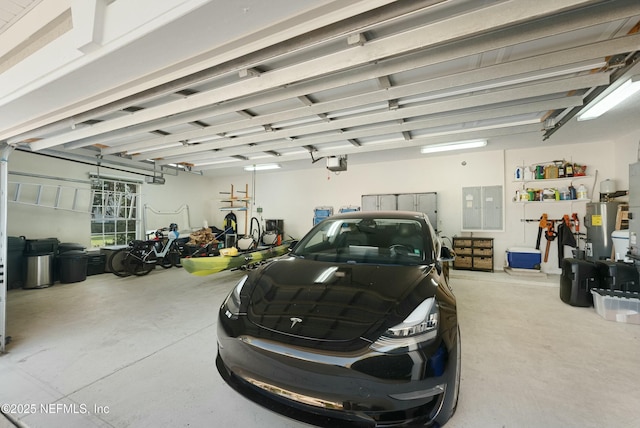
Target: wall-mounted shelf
{"type": "Point", "coordinates": [542, 180]}
{"type": "Point", "coordinates": [551, 202]}
{"type": "Point", "coordinates": [552, 183]}
{"type": "Point", "coordinates": [237, 203]}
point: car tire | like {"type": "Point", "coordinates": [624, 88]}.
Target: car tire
{"type": "Point", "coordinates": [450, 403]}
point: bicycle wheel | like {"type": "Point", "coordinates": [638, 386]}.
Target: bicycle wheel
{"type": "Point", "coordinates": [135, 265]}
{"type": "Point", "coordinates": [115, 262]}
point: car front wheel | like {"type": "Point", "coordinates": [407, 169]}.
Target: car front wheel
{"type": "Point", "coordinates": [453, 391]}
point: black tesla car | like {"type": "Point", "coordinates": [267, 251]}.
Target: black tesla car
{"type": "Point", "coordinates": [356, 326]}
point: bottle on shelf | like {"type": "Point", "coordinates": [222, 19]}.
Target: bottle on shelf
{"type": "Point", "coordinates": [582, 192]}
{"type": "Point", "coordinates": [572, 192]}
{"type": "Point", "coordinates": [568, 169]}
{"type": "Point", "coordinates": [561, 172]}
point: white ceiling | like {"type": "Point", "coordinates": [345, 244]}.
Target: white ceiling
{"type": "Point", "coordinates": [218, 85]}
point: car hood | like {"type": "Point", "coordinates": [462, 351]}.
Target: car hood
{"type": "Point", "coordinates": [328, 302]}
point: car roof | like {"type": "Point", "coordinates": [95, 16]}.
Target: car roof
{"type": "Point", "coordinates": [409, 215]}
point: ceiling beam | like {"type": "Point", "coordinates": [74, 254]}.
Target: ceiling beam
{"type": "Point", "coordinates": [432, 122]}
{"type": "Point", "coordinates": [485, 78]}
{"type": "Point", "coordinates": [499, 15]}
{"type": "Point", "coordinates": [435, 107]}
{"type": "Point", "coordinates": [549, 60]}
{"type": "Point", "coordinates": [329, 20]}
{"type": "Point", "coordinates": [396, 144]}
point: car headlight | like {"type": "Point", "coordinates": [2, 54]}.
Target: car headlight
{"type": "Point", "coordinates": [420, 326]}
{"type": "Point", "coordinates": [232, 303]}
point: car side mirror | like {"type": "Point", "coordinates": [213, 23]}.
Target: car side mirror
{"type": "Point", "coordinates": [446, 254]}
{"type": "Point", "coordinates": [292, 246]}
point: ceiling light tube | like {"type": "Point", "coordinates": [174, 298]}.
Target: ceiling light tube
{"type": "Point", "coordinates": [263, 167]}
{"type": "Point", "coordinates": [614, 98]}
{"type": "Point", "coordinates": [459, 145]}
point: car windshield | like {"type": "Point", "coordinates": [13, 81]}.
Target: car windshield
{"type": "Point", "coordinates": [388, 241]}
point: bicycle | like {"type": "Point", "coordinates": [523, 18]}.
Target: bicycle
{"type": "Point", "coordinates": [142, 256]}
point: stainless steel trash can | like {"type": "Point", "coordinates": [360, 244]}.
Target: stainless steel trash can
{"type": "Point", "coordinates": [39, 271]}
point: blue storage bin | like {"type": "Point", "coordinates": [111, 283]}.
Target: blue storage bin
{"type": "Point", "coordinates": [524, 258]}
{"type": "Point", "coordinates": [323, 212]}
{"type": "Point", "coordinates": [349, 209]}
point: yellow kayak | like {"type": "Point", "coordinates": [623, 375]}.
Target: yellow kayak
{"type": "Point", "coordinates": [202, 266]}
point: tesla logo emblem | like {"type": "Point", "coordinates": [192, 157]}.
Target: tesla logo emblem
{"type": "Point", "coordinates": [294, 321]}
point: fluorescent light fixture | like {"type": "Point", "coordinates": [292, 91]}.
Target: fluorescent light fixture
{"type": "Point", "coordinates": [263, 167]}
{"type": "Point", "coordinates": [459, 145]}
{"type": "Point", "coordinates": [618, 95]}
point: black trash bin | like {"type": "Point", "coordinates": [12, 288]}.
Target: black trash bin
{"type": "Point", "coordinates": [73, 266]}
{"type": "Point", "coordinates": [64, 247]}
{"type": "Point", "coordinates": [577, 279]}
{"type": "Point", "coordinates": [15, 261]}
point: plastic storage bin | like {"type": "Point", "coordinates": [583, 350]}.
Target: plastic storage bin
{"type": "Point", "coordinates": [620, 240]}
{"type": "Point", "coordinates": [618, 276]}
{"type": "Point", "coordinates": [96, 263]}
{"type": "Point", "coordinates": [577, 279]}
{"type": "Point", "coordinates": [15, 262]}
{"type": "Point", "coordinates": [321, 213]}
{"type": "Point", "coordinates": [349, 209]}
{"type": "Point", "coordinates": [617, 306]}
{"type": "Point", "coordinates": [73, 266]}
{"type": "Point", "coordinates": [42, 246]}
{"type": "Point", "coordinates": [524, 258]}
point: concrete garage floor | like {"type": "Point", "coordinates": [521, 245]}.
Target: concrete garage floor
{"type": "Point", "coordinates": [139, 352]}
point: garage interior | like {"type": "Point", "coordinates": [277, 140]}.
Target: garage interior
{"type": "Point", "coordinates": [192, 109]}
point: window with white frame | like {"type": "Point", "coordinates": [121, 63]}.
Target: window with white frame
{"type": "Point", "coordinates": [114, 212]}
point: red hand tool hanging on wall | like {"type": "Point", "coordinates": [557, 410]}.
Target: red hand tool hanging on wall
{"type": "Point", "coordinates": [576, 222]}
{"type": "Point", "coordinates": [550, 234]}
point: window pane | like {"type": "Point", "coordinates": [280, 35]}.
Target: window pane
{"type": "Point", "coordinates": [114, 215]}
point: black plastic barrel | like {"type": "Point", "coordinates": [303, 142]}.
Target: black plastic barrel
{"type": "Point", "coordinates": [63, 247]}
{"type": "Point", "coordinates": [577, 279]}
{"type": "Point", "coordinates": [73, 266]}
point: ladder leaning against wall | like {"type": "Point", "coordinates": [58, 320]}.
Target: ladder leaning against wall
{"type": "Point", "coordinates": [67, 198]}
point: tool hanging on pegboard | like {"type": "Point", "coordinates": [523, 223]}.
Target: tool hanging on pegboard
{"type": "Point", "coordinates": [541, 226]}
{"type": "Point", "coordinates": [550, 235]}
{"type": "Point", "coordinates": [564, 233]}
